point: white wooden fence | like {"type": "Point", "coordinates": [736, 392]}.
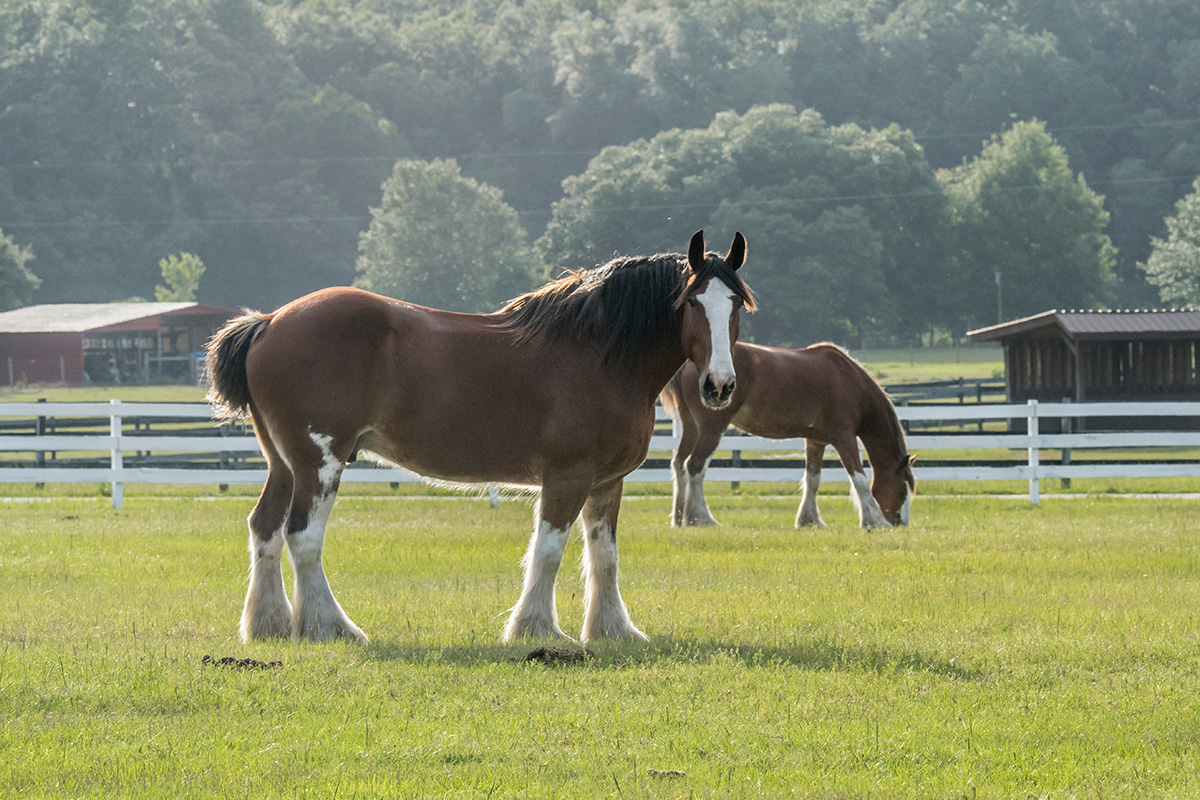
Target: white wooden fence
{"type": "Point", "coordinates": [118, 441]}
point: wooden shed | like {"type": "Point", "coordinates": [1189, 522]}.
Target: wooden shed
{"type": "Point", "coordinates": [75, 343]}
{"type": "Point", "coordinates": [1119, 355]}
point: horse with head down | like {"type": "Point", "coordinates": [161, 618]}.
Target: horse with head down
{"type": "Point", "coordinates": [819, 393]}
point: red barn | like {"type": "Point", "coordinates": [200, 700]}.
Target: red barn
{"type": "Point", "coordinates": [75, 343]}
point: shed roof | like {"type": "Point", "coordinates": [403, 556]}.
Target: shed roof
{"type": "Point", "coordinates": [83, 317]}
{"type": "Point", "coordinates": [1115, 324]}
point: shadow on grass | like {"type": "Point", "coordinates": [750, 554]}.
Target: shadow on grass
{"type": "Point", "coordinates": [819, 654]}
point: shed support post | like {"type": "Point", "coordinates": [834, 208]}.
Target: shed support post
{"type": "Point", "coordinates": [1031, 428]}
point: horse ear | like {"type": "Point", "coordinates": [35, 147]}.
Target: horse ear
{"type": "Point", "coordinates": [911, 460]}
{"type": "Point", "coordinates": [696, 250]}
{"type": "Point", "coordinates": [737, 252]}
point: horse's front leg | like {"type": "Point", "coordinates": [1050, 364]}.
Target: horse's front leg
{"type": "Point", "coordinates": [535, 614]}
{"type": "Point", "coordinates": [808, 513]}
{"type": "Point", "coordinates": [870, 515]}
{"type": "Point", "coordinates": [604, 612]}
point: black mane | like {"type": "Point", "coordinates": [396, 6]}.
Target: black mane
{"type": "Point", "coordinates": [625, 306]}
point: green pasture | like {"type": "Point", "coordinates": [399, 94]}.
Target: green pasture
{"type": "Point", "coordinates": [990, 649]}
{"type": "Point", "coordinates": [102, 394]}
{"type": "Point", "coordinates": [920, 364]}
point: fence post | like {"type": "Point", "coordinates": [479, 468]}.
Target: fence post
{"type": "Point", "coordinates": [39, 429]}
{"type": "Point", "coordinates": [1031, 429]}
{"type": "Point", "coordinates": [114, 429]}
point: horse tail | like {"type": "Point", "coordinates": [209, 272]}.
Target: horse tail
{"type": "Point", "coordinates": [225, 364]}
{"type": "Point", "coordinates": [671, 395]}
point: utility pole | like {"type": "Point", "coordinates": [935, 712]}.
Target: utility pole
{"type": "Point", "coordinates": [999, 301]}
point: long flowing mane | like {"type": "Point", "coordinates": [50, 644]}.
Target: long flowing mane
{"type": "Point", "coordinates": [624, 306]}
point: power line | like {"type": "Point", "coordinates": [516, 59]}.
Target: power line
{"type": "Point", "coordinates": [830, 199]}
{"type": "Point", "coordinates": [526, 154]}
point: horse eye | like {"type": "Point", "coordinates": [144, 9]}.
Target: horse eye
{"type": "Point", "coordinates": [693, 302]}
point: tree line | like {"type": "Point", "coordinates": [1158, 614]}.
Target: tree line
{"type": "Point", "coordinates": [901, 167]}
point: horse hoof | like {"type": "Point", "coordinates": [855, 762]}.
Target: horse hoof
{"type": "Point", "coordinates": [623, 632]}
{"type": "Point", "coordinates": [329, 631]}
{"type": "Point", "coordinates": [512, 638]}
{"type": "Point", "coordinates": [516, 630]}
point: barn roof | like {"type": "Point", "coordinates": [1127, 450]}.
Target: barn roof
{"type": "Point", "coordinates": [1115, 324]}
{"type": "Point", "coordinates": [83, 317]}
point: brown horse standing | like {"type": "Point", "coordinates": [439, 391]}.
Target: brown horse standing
{"type": "Point", "coordinates": [819, 393]}
{"type": "Point", "coordinates": [556, 391]}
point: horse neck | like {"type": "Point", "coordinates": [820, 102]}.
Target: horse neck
{"type": "Point", "coordinates": [657, 369]}
{"type": "Point", "coordinates": [881, 433]}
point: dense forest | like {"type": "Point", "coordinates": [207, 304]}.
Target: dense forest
{"type": "Point", "coordinates": [900, 167]}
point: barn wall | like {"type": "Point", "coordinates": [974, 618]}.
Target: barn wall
{"type": "Point", "coordinates": [41, 358]}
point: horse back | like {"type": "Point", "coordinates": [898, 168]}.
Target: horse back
{"type": "Point", "coordinates": [816, 392]}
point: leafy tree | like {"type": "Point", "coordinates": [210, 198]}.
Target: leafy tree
{"type": "Point", "coordinates": [843, 223]}
{"type": "Point", "coordinates": [182, 274]}
{"type": "Point", "coordinates": [1017, 75]}
{"type": "Point", "coordinates": [17, 282]}
{"type": "Point", "coordinates": [443, 240]}
{"type": "Point", "coordinates": [1174, 263]}
{"type": "Point", "coordinates": [1018, 210]}
{"type": "Point", "coordinates": [256, 133]}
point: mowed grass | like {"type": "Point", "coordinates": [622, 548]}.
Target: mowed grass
{"type": "Point", "coordinates": [919, 364]}
{"type": "Point", "coordinates": [990, 649]}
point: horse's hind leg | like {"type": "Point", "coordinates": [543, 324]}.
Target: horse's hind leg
{"type": "Point", "coordinates": [695, 506]}
{"type": "Point", "coordinates": [316, 474]}
{"type": "Point", "coordinates": [535, 614]}
{"type": "Point", "coordinates": [267, 612]}
{"type": "Point", "coordinates": [870, 515]}
{"type": "Point", "coordinates": [808, 513]}
{"type": "Point", "coordinates": [604, 612]}
{"type": "Point", "coordinates": [688, 434]}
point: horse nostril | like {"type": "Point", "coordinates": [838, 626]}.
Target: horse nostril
{"type": "Point", "coordinates": [727, 392]}
{"type": "Point", "coordinates": [710, 388]}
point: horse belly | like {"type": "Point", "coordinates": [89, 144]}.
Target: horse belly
{"type": "Point", "coordinates": [792, 424]}
{"type": "Point", "coordinates": [455, 450]}
{"type": "Point", "coordinates": [486, 444]}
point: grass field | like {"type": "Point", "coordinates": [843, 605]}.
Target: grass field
{"type": "Point", "coordinates": [919, 364]}
{"type": "Point", "coordinates": [990, 649]}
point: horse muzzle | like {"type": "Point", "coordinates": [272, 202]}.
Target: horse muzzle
{"type": "Point", "coordinates": [715, 393]}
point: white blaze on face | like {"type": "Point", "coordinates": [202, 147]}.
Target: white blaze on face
{"type": "Point", "coordinates": [717, 302]}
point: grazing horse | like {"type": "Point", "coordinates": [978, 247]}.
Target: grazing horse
{"type": "Point", "coordinates": [554, 391]}
{"type": "Point", "coordinates": [817, 392]}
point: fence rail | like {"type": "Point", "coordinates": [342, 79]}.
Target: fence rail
{"type": "Point", "coordinates": [115, 443]}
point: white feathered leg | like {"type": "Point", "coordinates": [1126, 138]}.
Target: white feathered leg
{"type": "Point", "coordinates": [604, 612]}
